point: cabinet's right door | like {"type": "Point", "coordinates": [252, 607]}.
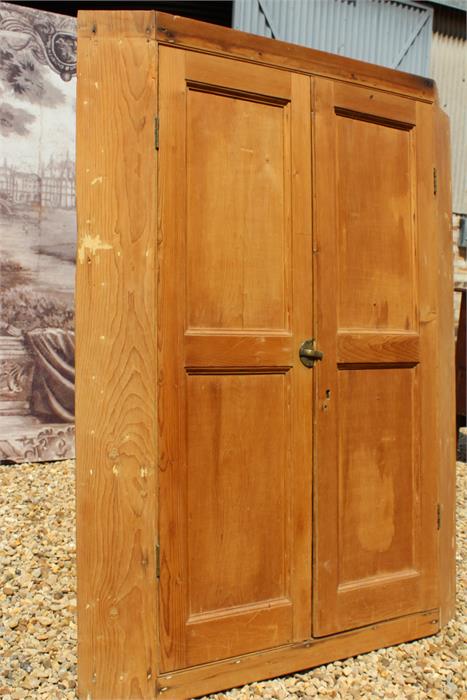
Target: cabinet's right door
{"type": "Point", "coordinates": [376, 317]}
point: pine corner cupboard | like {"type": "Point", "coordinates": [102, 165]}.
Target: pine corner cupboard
{"type": "Point", "coordinates": [265, 419]}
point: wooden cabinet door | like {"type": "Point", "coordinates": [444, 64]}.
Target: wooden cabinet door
{"type": "Point", "coordinates": [235, 403]}
{"type": "Point", "coordinates": [376, 315]}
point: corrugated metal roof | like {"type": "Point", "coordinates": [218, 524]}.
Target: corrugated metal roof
{"type": "Point", "coordinates": [391, 33]}
{"type": "Point", "coordinates": [449, 69]}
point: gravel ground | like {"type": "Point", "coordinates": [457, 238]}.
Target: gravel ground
{"type": "Point", "coordinates": [38, 606]}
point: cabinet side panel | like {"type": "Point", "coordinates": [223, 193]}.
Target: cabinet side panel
{"type": "Point", "coordinates": [115, 355]}
{"type": "Point", "coordinates": [446, 394]}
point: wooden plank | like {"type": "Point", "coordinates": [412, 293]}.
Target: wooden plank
{"type": "Point", "coordinates": [115, 356]}
{"type": "Point", "coordinates": [229, 73]}
{"type": "Point", "coordinates": [131, 25]}
{"type": "Point", "coordinates": [240, 350]}
{"type": "Point", "coordinates": [430, 391]}
{"type": "Point", "coordinates": [203, 680]}
{"type": "Point", "coordinates": [378, 104]}
{"type": "Point", "coordinates": [378, 347]}
{"type": "Point", "coordinates": [446, 393]}
{"type": "Point", "coordinates": [325, 249]}
{"type": "Point", "coordinates": [239, 632]}
{"type": "Point", "coordinates": [302, 378]}
{"type": "Point", "coordinates": [376, 285]}
{"type": "Point", "coordinates": [183, 32]}
{"type": "Point", "coordinates": [171, 294]}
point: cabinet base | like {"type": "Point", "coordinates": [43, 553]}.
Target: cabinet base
{"type": "Point", "coordinates": [214, 677]}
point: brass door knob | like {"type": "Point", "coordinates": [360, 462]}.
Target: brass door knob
{"type": "Point", "coordinates": [308, 353]}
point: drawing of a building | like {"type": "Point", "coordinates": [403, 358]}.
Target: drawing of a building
{"type": "Point", "coordinates": [58, 184]}
{"type": "Point", "coordinates": [54, 187]}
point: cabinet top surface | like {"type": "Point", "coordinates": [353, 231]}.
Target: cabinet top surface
{"type": "Point", "coordinates": [201, 36]}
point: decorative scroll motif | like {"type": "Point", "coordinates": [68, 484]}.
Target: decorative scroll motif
{"type": "Point", "coordinates": [48, 444]}
{"type": "Point", "coordinates": [49, 37]}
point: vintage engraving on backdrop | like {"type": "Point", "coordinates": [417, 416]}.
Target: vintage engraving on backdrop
{"type": "Point", "coordinates": [37, 234]}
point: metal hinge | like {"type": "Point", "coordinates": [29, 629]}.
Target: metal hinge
{"type": "Point", "coordinates": [158, 560]}
{"type": "Point", "coordinates": [438, 516]}
{"type": "Point", "coordinates": [156, 133]}
{"type": "Point", "coordinates": [435, 181]}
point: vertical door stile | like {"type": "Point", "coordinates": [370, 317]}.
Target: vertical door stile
{"type": "Point", "coordinates": [171, 315]}
{"type": "Point", "coordinates": [302, 312]}
{"type": "Point", "coordinates": [326, 272]}
{"type": "Point", "coordinates": [446, 397]}
{"type": "Point", "coordinates": [428, 370]}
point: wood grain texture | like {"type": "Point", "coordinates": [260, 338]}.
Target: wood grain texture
{"type": "Point", "coordinates": [236, 75]}
{"type": "Point", "coordinates": [429, 314]}
{"type": "Point", "coordinates": [171, 295]}
{"type": "Point", "coordinates": [446, 392]}
{"type": "Point", "coordinates": [201, 269]}
{"type": "Point", "coordinates": [379, 106]}
{"type": "Point", "coordinates": [254, 351]}
{"type": "Point", "coordinates": [235, 515]}
{"type": "Point", "coordinates": [378, 348]}
{"type": "Point", "coordinates": [374, 501]}
{"type": "Point", "coordinates": [115, 356]}
{"type": "Point", "coordinates": [302, 379]}
{"type": "Point", "coordinates": [235, 464]}
{"type": "Point", "coordinates": [375, 233]}
{"type": "Point", "coordinates": [287, 659]}
{"type": "Point", "coordinates": [236, 245]}
{"type": "Point", "coordinates": [325, 249]}
{"type": "Point", "coordinates": [183, 32]}
{"type": "Point", "coordinates": [379, 558]}
{"type": "Point", "coordinates": [235, 402]}
{"type": "Point", "coordinates": [112, 24]}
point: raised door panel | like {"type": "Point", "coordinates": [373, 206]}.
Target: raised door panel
{"type": "Point", "coordinates": [375, 484]}
{"type": "Point", "coordinates": [375, 229]}
{"type": "Point", "coordinates": [235, 403]}
{"type": "Point", "coordinates": [237, 147]}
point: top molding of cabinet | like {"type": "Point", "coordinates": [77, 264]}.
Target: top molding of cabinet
{"type": "Point", "coordinates": [209, 38]}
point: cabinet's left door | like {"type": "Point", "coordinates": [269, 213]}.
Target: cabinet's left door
{"type": "Point", "coordinates": [235, 403]}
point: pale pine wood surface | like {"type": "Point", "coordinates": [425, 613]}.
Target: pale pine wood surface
{"type": "Point", "coordinates": [429, 309]}
{"type": "Point", "coordinates": [375, 516]}
{"type": "Point", "coordinates": [182, 32]}
{"type": "Point", "coordinates": [239, 311]}
{"type": "Point", "coordinates": [446, 392]}
{"type": "Point", "coordinates": [278, 662]}
{"type": "Point", "coordinates": [115, 361]}
{"type": "Point", "coordinates": [187, 358]}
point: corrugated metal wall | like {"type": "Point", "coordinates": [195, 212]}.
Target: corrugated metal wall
{"type": "Point", "coordinates": [386, 32]}
{"type": "Point", "coordinates": [449, 69]}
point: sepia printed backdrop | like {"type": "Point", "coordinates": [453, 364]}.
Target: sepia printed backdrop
{"type": "Point", "coordinates": [37, 234]}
